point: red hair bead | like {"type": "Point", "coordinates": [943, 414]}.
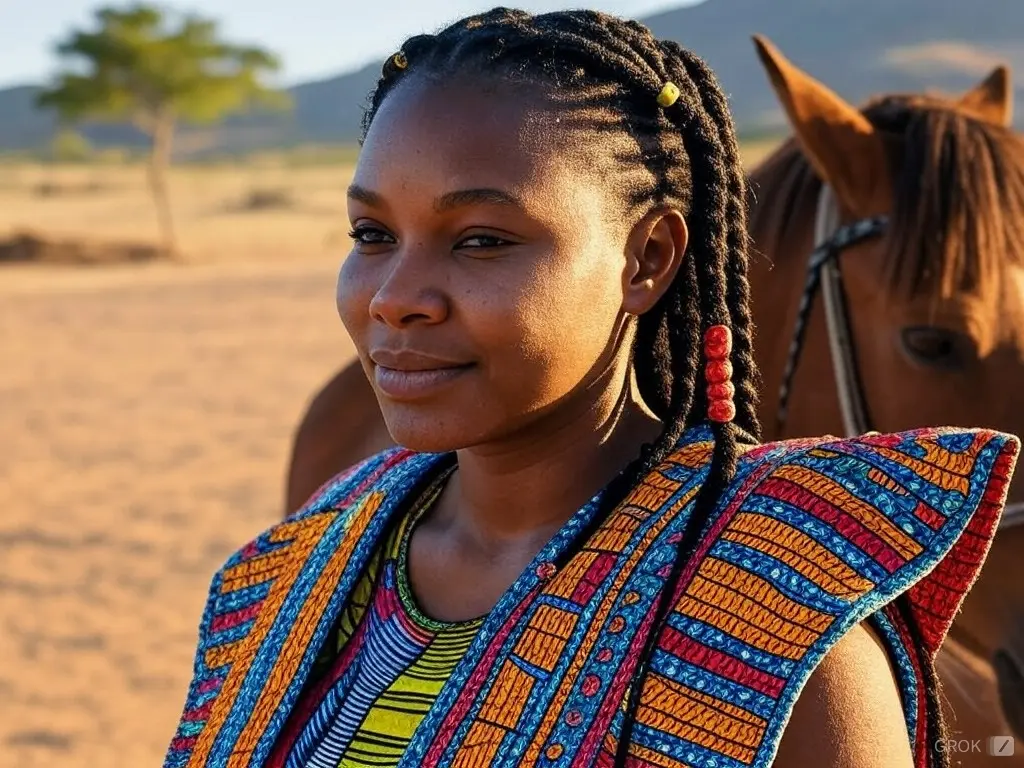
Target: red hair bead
{"type": "Point", "coordinates": [718, 371]}
{"type": "Point", "coordinates": [722, 411]}
{"type": "Point", "coordinates": [718, 336]}
{"type": "Point", "coordinates": [716, 351]}
{"type": "Point", "coordinates": [723, 391]}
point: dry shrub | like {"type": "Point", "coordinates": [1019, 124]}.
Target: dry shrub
{"type": "Point", "coordinates": [62, 189]}
{"type": "Point", "coordinates": [27, 247]}
{"type": "Point", "coordinates": [267, 199]}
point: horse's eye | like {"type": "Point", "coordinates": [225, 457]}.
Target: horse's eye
{"type": "Point", "coordinates": [935, 347]}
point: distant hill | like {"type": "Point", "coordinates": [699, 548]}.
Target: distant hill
{"type": "Point", "coordinates": [859, 48]}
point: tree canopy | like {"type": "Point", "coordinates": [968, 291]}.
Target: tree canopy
{"type": "Point", "coordinates": [137, 66]}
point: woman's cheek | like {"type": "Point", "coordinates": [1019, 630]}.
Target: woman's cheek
{"type": "Point", "coordinates": [353, 295]}
{"type": "Point", "coordinates": [551, 356]}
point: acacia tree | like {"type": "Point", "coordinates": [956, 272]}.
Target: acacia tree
{"type": "Point", "coordinates": [137, 66]}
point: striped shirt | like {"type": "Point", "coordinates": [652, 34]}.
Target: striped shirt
{"type": "Point", "coordinates": [379, 677]}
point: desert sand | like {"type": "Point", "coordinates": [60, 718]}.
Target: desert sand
{"type": "Point", "coordinates": [146, 429]}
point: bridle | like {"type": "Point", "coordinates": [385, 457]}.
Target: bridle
{"type": "Point", "coordinates": [823, 271]}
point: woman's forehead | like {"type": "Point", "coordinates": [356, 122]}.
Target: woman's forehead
{"type": "Point", "coordinates": [469, 134]}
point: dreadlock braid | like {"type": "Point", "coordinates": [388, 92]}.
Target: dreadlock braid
{"type": "Point", "coordinates": [603, 75]}
{"type": "Point", "coordinates": [738, 285]}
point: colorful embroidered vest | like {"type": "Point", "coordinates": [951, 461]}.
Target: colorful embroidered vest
{"type": "Point", "coordinates": [812, 537]}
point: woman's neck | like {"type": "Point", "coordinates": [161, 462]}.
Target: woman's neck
{"type": "Point", "coordinates": [521, 491]}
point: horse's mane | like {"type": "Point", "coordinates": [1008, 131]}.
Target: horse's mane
{"type": "Point", "coordinates": [958, 215]}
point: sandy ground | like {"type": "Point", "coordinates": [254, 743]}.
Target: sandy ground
{"type": "Point", "coordinates": [146, 421]}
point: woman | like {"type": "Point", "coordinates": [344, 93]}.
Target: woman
{"type": "Point", "coordinates": [584, 558]}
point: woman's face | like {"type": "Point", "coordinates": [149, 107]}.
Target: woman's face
{"type": "Point", "coordinates": [485, 292]}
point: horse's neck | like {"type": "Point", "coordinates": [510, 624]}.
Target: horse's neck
{"type": "Point", "coordinates": [778, 273]}
{"type": "Point", "coordinates": [966, 644]}
{"type": "Point", "coordinates": [970, 691]}
{"type": "Point", "coordinates": [967, 654]}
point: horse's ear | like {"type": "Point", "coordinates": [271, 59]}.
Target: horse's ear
{"type": "Point", "coordinates": [840, 143]}
{"type": "Point", "coordinates": [992, 98]}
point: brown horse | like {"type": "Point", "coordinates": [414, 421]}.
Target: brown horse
{"type": "Point", "coordinates": [920, 200]}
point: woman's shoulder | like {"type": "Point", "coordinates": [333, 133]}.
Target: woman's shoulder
{"type": "Point", "coordinates": [845, 713]}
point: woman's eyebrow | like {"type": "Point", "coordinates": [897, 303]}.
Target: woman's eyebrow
{"type": "Point", "coordinates": [481, 196]}
{"type": "Point", "coordinates": [447, 202]}
{"type": "Point", "coordinates": [364, 195]}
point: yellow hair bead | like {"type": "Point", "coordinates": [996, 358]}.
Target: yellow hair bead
{"type": "Point", "coordinates": [399, 60]}
{"type": "Point", "coordinates": [669, 94]}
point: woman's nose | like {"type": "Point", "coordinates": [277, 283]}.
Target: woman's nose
{"type": "Point", "coordinates": [410, 293]}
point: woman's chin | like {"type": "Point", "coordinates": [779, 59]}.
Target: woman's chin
{"type": "Point", "coordinates": [429, 435]}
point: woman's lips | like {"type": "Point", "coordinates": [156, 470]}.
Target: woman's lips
{"type": "Point", "coordinates": [399, 384]}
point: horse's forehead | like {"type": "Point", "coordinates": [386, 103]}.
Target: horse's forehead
{"type": "Point", "coordinates": [995, 319]}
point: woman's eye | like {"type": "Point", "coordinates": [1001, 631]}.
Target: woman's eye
{"type": "Point", "coordinates": [483, 241]}
{"type": "Point", "coordinates": [375, 236]}
{"type": "Point", "coordinates": [370, 236]}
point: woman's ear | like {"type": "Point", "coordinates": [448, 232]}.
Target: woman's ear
{"type": "Point", "coordinates": [654, 252]}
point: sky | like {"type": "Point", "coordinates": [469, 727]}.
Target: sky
{"type": "Point", "coordinates": [314, 38]}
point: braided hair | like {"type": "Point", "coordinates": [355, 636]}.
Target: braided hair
{"type": "Point", "coordinates": [604, 75]}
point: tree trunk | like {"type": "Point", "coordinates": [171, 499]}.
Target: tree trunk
{"type": "Point", "coordinates": [159, 164]}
